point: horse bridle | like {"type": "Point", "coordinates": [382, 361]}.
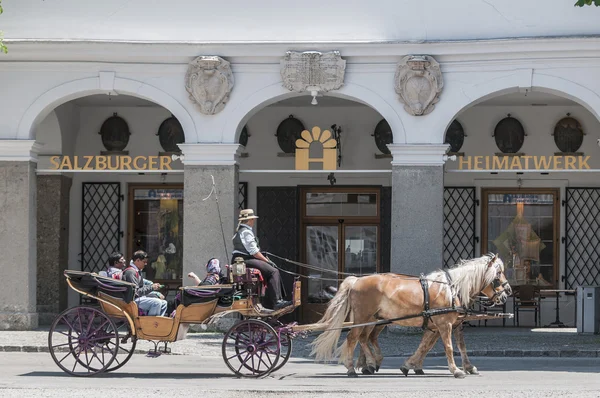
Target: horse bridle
{"type": "Point", "coordinates": [496, 283]}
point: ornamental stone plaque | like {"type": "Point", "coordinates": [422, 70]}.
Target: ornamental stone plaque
{"type": "Point", "coordinates": [312, 71]}
{"type": "Point", "coordinates": [418, 82]}
{"type": "Point", "coordinates": [209, 81]}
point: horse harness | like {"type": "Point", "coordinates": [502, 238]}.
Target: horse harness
{"type": "Point", "coordinates": [428, 313]}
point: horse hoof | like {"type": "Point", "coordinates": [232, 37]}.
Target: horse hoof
{"type": "Point", "coordinates": [419, 372]}
{"type": "Point", "coordinates": [459, 374]}
{"type": "Point", "coordinates": [352, 373]}
{"type": "Point", "coordinates": [377, 368]}
{"type": "Point", "coordinates": [472, 371]}
{"type": "Point", "coordinates": [404, 370]}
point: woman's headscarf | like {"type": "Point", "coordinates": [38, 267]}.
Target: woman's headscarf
{"type": "Point", "coordinates": [213, 266]}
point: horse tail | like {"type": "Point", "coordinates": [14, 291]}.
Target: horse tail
{"type": "Point", "coordinates": [335, 315]}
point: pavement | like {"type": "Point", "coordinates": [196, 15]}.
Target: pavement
{"type": "Point", "coordinates": [36, 375]}
{"type": "Point", "coordinates": [480, 342]}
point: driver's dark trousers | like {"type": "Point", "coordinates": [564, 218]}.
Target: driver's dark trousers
{"type": "Point", "coordinates": [271, 275]}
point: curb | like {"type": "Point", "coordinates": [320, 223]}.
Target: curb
{"type": "Point", "coordinates": [30, 348]}
{"type": "Point", "coordinates": [519, 353]}
{"type": "Point", "coordinates": [473, 353]}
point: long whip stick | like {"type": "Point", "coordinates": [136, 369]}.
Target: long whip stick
{"type": "Point", "coordinates": [214, 189]}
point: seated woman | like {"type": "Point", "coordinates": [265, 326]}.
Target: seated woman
{"type": "Point", "coordinates": [213, 277]}
{"type": "Point", "coordinates": [213, 274]}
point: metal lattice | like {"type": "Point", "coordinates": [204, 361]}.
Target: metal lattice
{"type": "Point", "coordinates": [582, 237]}
{"type": "Point", "coordinates": [100, 224]}
{"type": "Point", "coordinates": [459, 224]}
{"type": "Point", "coordinates": [242, 195]}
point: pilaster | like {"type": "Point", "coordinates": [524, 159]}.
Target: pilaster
{"type": "Point", "coordinates": [417, 208]}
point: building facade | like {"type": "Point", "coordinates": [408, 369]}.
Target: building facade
{"type": "Point", "coordinates": [458, 129]}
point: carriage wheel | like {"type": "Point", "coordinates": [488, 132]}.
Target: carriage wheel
{"type": "Point", "coordinates": [127, 344]}
{"type": "Point", "coordinates": [83, 341]}
{"type": "Point", "coordinates": [126, 347]}
{"type": "Point", "coordinates": [251, 348]}
{"type": "Point", "coordinates": [286, 351]}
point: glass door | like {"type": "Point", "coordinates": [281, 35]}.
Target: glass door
{"type": "Point", "coordinates": [156, 227]}
{"type": "Point", "coordinates": [340, 233]}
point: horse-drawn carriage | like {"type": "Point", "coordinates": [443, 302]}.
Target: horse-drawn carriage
{"type": "Point", "coordinates": [96, 340]}
{"type": "Point", "coordinates": [87, 340]}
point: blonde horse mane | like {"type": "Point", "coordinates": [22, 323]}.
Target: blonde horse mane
{"type": "Point", "coordinates": [469, 277]}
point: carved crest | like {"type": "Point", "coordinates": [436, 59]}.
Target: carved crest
{"type": "Point", "coordinates": [313, 71]}
{"type": "Point", "coordinates": [209, 81]}
{"type": "Point", "coordinates": [418, 82]}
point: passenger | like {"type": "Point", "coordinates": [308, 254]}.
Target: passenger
{"type": "Point", "coordinates": [245, 245]}
{"type": "Point", "coordinates": [116, 263]}
{"type": "Point", "coordinates": [213, 277]}
{"type": "Point", "coordinates": [151, 306]}
{"type": "Point", "coordinates": [213, 274]}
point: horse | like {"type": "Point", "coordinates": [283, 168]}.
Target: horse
{"type": "Point", "coordinates": [433, 302]}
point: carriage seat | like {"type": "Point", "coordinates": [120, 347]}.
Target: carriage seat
{"type": "Point", "coordinates": [203, 294]}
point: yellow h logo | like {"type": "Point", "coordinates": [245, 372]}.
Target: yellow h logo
{"type": "Point", "coordinates": [323, 139]}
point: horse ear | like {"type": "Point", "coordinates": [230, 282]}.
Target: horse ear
{"type": "Point", "coordinates": [493, 260]}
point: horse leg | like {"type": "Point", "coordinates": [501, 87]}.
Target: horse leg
{"type": "Point", "coordinates": [370, 361]}
{"type": "Point", "coordinates": [460, 342]}
{"type": "Point", "coordinates": [445, 329]}
{"type": "Point", "coordinates": [347, 351]}
{"type": "Point", "coordinates": [374, 339]}
{"type": "Point", "coordinates": [416, 360]}
{"type": "Point", "coordinates": [361, 363]}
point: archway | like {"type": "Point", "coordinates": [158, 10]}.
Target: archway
{"type": "Point", "coordinates": [525, 81]}
{"type": "Point", "coordinates": [63, 93]}
{"type": "Point", "coordinates": [274, 93]}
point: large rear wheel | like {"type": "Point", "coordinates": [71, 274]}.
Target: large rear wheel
{"type": "Point", "coordinates": [251, 348]}
{"type": "Point", "coordinates": [83, 341]}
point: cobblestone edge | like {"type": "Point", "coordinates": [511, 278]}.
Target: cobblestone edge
{"type": "Point", "coordinates": [473, 353]}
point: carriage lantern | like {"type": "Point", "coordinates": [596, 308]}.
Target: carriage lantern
{"type": "Point", "coordinates": [238, 268]}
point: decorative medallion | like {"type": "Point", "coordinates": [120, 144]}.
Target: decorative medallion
{"type": "Point", "coordinates": [170, 133]}
{"type": "Point", "coordinates": [418, 82]}
{"type": "Point", "coordinates": [455, 136]}
{"type": "Point", "coordinates": [209, 81]}
{"type": "Point", "coordinates": [115, 133]}
{"type": "Point", "coordinates": [383, 136]}
{"type": "Point", "coordinates": [312, 71]}
{"type": "Point", "coordinates": [509, 135]}
{"type": "Point", "coordinates": [244, 136]}
{"type": "Point", "coordinates": [568, 134]}
{"type": "Point", "coordinates": [288, 132]}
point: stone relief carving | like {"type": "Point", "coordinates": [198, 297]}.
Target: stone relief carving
{"type": "Point", "coordinates": [418, 82]}
{"type": "Point", "coordinates": [209, 81]}
{"type": "Point", "coordinates": [312, 71]}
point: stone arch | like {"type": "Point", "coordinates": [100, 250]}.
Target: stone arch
{"type": "Point", "coordinates": [273, 93]}
{"type": "Point", "coordinates": [521, 81]}
{"type": "Point", "coordinates": [65, 92]}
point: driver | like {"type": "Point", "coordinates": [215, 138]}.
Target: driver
{"type": "Point", "coordinates": [245, 245]}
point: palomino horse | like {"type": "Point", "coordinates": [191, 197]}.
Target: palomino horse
{"type": "Point", "coordinates": [432, 302]}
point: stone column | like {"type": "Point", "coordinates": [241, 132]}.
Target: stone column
{"type": "Point", "coordinates": [417, 207]}
{"type": "Point", "coordinates": [52, 245]}
{"type": "Point", "coordinates": [18, 234]}
{"type": "Point", "coordinates": [209, 215]}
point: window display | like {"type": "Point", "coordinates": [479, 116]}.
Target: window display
{"type": "Point", "coordinates": [157, 228]}
{"type": "Point", "coordinates": [521, 228]}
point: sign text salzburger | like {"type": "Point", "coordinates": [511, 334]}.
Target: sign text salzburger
{"type": "Point", "coordinates": [111, 163]}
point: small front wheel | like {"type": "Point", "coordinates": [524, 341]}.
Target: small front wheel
{"type": "Point", "coordinates": [251, 348]}
{"type": "Point", "coordinates": [83, 341]}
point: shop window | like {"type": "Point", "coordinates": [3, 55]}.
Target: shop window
{"type": "Point", "coordinates": [521, 226]}
{"type": "Point", "coordinates": [156, 226]}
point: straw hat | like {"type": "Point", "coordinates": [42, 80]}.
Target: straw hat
{"type": "Point", "coordinates": [246, 214]}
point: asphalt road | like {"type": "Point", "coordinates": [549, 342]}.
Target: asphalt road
{"type": "Point", "coordinates": [35, 374]}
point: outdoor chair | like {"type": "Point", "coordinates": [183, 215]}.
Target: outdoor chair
{"type": "Point", "coordinates": [527, 299]}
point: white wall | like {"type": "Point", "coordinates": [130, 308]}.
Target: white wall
{"type": "Point", "coordinates": [479, 123]}
{"type": "Point", "coordinates": [308, 21]}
